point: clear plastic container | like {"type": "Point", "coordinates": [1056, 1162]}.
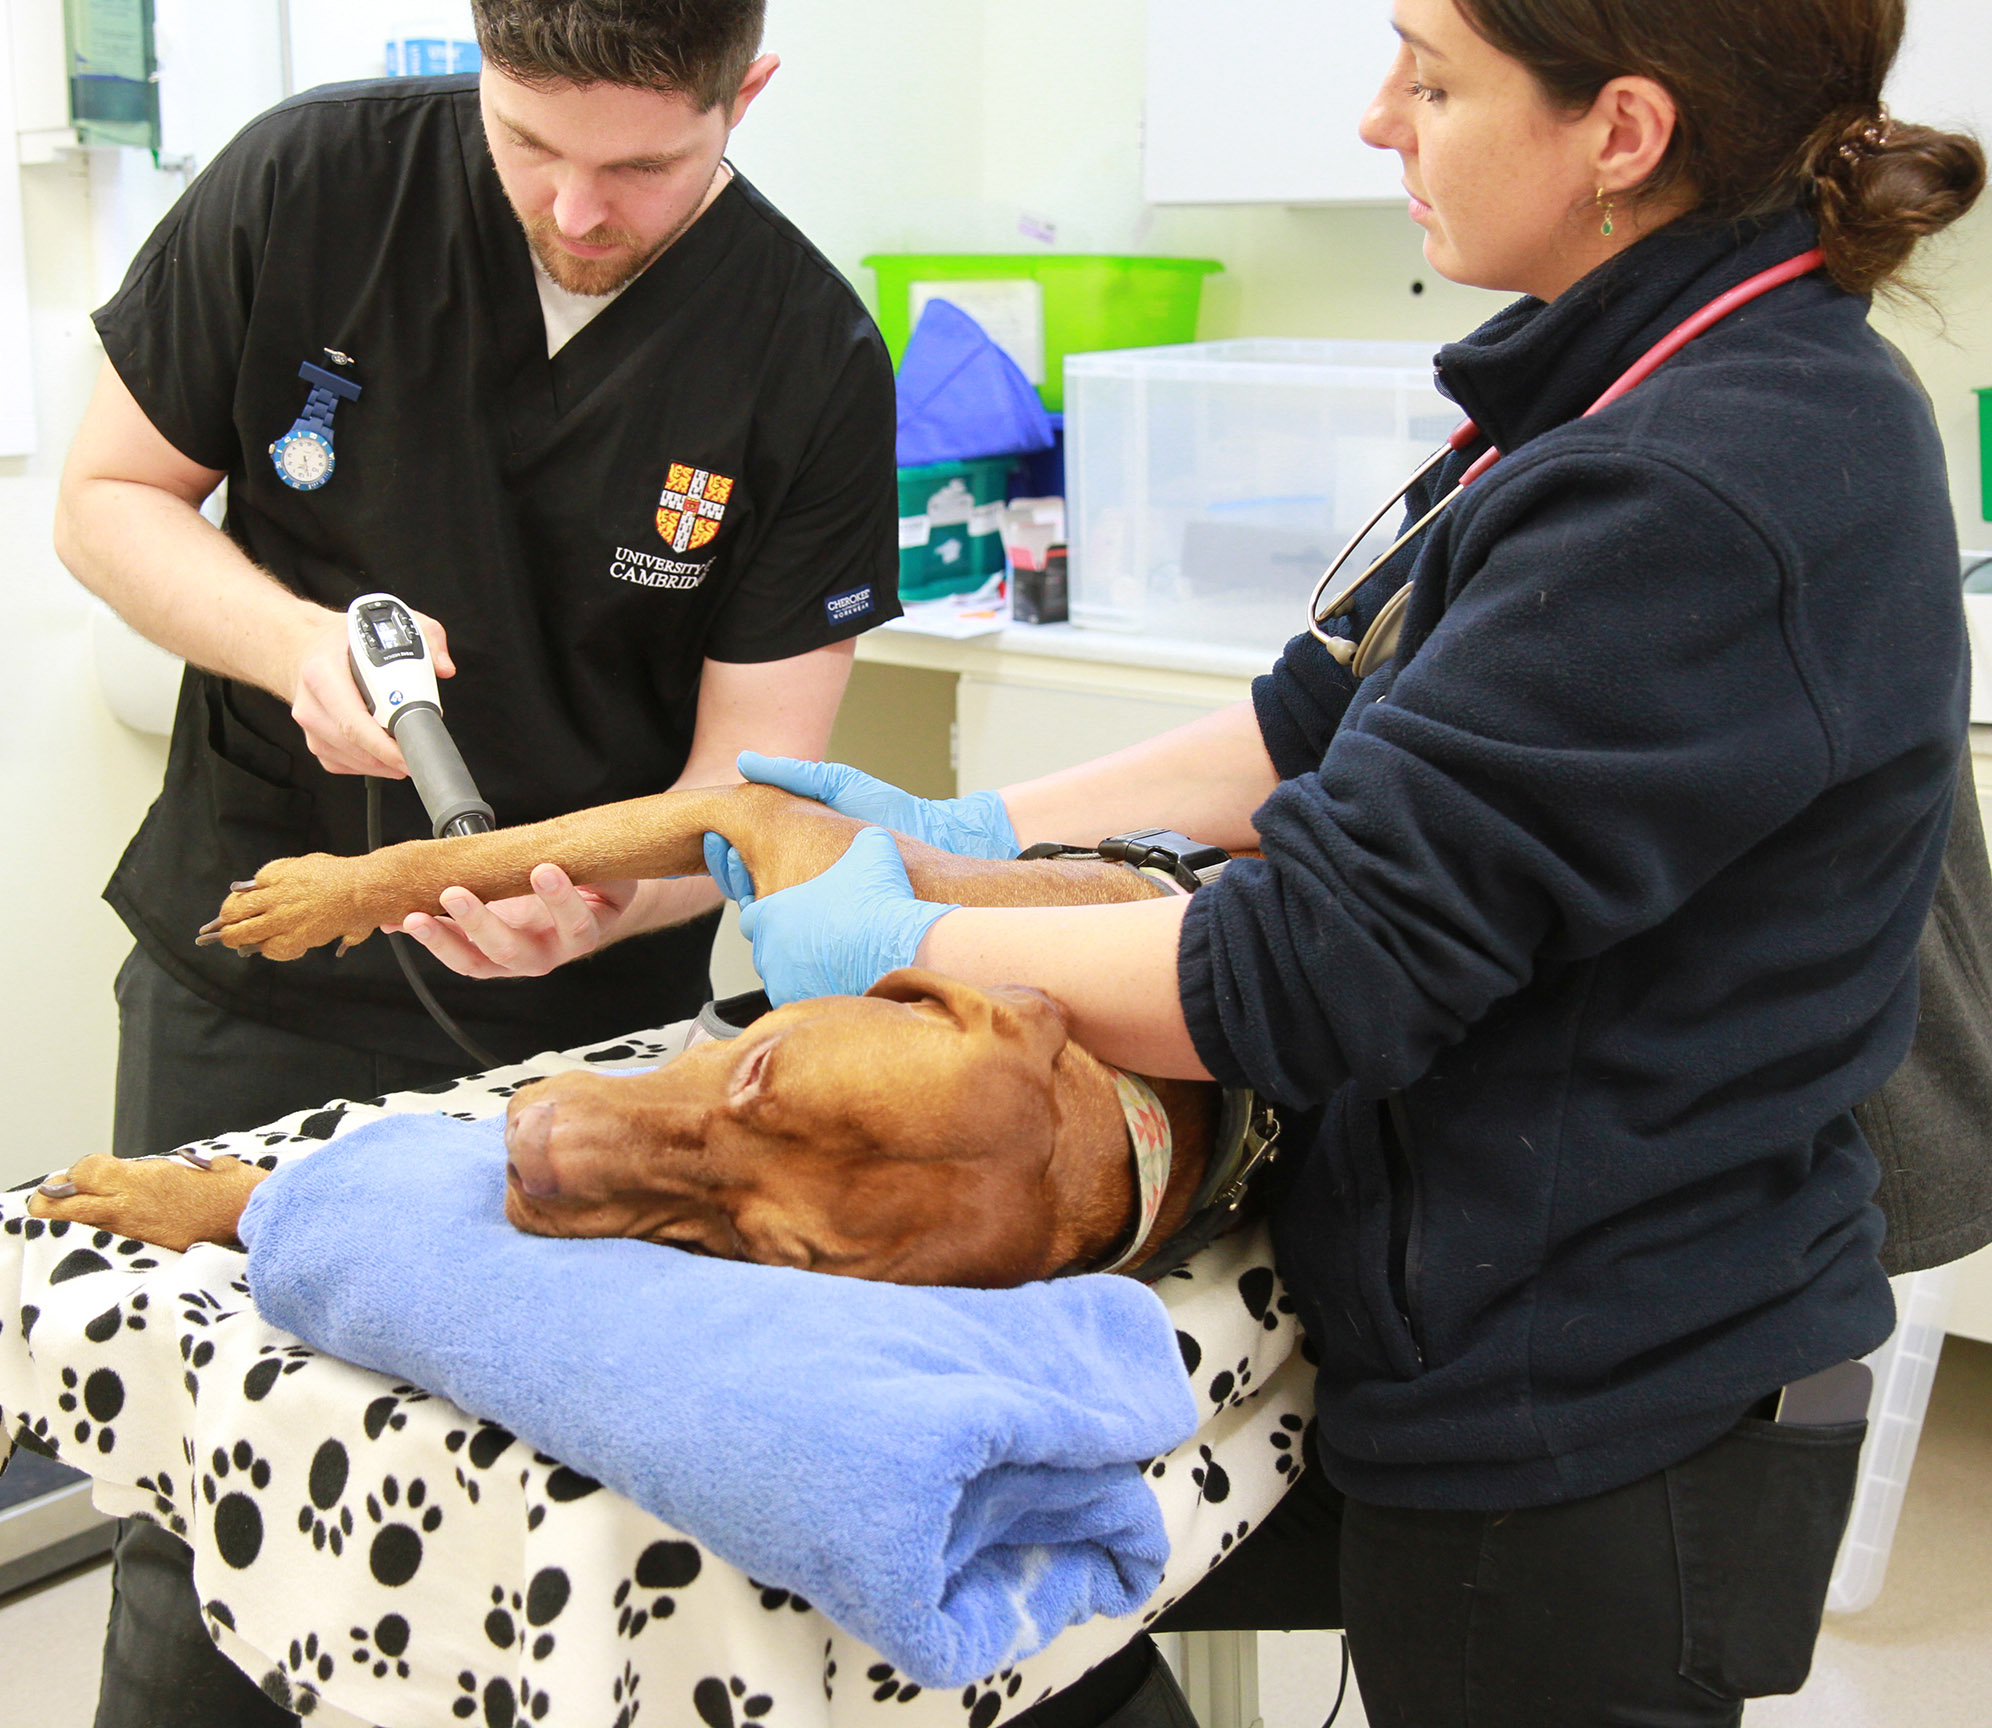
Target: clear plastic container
{"type": "Point", "coordinates": [1904, 1368]}
{"type": "Point", "coordinates": [1210, 484]}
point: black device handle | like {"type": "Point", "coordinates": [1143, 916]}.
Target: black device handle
{"type": "Point", "coordinates": [447, 791]}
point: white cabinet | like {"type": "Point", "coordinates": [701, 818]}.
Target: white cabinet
{"type": "Point", "coordinates": [1257, 101]}
{"type": "Point", "coordinates": [1943, 76]}
{"type": "Point", "coordinates": [1010, 730]}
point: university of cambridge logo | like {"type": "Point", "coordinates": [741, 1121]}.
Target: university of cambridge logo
{"type": "Point", "coordinates": [692, 505]}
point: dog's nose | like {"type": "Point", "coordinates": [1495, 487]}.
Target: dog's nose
{"type": "Point", "coordinates": [528, 1136]}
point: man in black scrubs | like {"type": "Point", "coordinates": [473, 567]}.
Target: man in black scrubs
{"type": "Point", "coordinates": [579, 395]}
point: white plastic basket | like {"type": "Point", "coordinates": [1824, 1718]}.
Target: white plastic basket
{"type": "Point", "coordinates": [1903, 1368]}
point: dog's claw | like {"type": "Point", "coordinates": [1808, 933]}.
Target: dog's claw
{"type": "Point", "coordinates": [240, 887]}
{"type": "Point", "coordinates": [57, 1187]}
{"type": "Point", "coordinates": [212, 925]}
{"type": "Point", "coordinates": [207, 939]}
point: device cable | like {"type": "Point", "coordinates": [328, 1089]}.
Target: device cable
{"type": "Point", "coordinates": [1341, 1691]}
{"type": "Point", "coordinates": [402, 946]}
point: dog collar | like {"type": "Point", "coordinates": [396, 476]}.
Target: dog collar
{"type": "Point", "coordinates": [1153, 1145]}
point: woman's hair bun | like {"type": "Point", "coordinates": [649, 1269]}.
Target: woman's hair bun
{"type": "Point", "coordinates": [1880, 185]}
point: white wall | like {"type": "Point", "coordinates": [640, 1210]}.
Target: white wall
{"type": "Point", "coordinates": [17, 403]}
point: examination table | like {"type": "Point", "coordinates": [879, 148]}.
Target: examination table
{"type": "Point", "coordinates": [367, 1551]}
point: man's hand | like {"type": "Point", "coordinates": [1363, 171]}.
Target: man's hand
{"type": "Point", "coordinates": [526, 936]}
{"type": "Point", "coordinates": [328, 706]}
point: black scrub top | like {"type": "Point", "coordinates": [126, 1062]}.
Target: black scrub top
{"type": "Point", "coordinates": [536, 507]}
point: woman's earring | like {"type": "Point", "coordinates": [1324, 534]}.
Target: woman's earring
{"type": "Point", "coordinates": [1606, 204]}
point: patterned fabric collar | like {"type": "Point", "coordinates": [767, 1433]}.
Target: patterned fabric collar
{"type": "Point", "coordinates": [1149, 1133]}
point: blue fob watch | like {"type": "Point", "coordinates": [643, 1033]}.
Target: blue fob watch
{"type": "Point", "coordinates": [303, 455]}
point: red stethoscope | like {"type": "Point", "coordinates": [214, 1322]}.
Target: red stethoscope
{"type": "Point", "coordinates": [1379, 641]}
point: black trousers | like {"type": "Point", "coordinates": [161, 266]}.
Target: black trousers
{"type": "Point", "coordinates": [1662, 1604]}
{"type": "Point", "coordinates": [187, 1071]}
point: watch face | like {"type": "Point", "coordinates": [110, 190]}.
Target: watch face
{"type": "Point", "coordinates": [304, 459]}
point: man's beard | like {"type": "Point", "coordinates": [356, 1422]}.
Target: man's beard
{"type": "Point", "coordinates": [592, 276]}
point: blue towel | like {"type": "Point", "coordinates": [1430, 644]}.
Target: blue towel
{"type": "Point", "coordinates": [951, 1475]}
{"type": "Point", "coordinates": [961, 396]}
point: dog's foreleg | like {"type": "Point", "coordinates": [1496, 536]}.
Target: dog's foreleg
{"type": "Point", "coordinates": [296, 904]}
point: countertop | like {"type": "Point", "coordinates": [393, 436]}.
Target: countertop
{"type": "Point", "coordinates": [1067, 657]}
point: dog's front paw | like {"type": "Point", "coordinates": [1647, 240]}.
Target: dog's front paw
{"type": "Point", "coordinates": [156, 1200]}
{"type": "Point", "coordinates": [296, 904]}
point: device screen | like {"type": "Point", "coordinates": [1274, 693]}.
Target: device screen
{"type": "Point", "coordinates": [390, 634]}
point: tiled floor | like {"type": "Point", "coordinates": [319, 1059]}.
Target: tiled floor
{"type": "Point", "coordinates": [63, 1624]}
{"type": "Point", "coordinates": [1921, 1657]}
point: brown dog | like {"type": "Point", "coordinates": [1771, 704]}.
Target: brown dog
{"type": "Point", "coordinates": [928, 1132]}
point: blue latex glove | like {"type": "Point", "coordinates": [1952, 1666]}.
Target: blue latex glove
{"type": "Point", "coordinates": [838, 934]}
{"type": "Point", "coordinates": [977, 826]}
{"type": "Point", "coordinates": [726, 867]}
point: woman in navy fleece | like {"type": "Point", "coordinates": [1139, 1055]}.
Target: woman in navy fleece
{"type": "Point", "coordinates": [1583, 924]}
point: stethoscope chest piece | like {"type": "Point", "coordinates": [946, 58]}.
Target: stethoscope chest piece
{"type": "Point", "coordinates": [1379, 641]}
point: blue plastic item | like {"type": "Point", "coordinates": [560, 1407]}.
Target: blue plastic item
{"type": "Point", "coordinates": [961, 396]}
{"type": "Point", "coordinates": [430, 56]}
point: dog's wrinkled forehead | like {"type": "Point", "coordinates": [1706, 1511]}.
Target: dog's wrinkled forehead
{"type": "Point", "coordinates": [897, 1135]}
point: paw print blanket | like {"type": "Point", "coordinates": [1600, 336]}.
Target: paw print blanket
{"type": "Point", "coordinates": [367, 1547]}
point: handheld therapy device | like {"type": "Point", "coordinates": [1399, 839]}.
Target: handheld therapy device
{"type": "Point", "coordinates": [393, 669]}
{"type": "Point", "coordinates": [395, 672]}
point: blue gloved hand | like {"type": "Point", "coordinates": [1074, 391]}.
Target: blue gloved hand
{"type": "Point", "coordinates": [977, 826]}
{"type": "Point", "coordinates": [726, 867]}
{"type": "Point", "coordinates": [838, 934]}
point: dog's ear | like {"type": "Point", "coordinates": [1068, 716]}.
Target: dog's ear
{"type": "Point", "coordinates": [1015, 1012]}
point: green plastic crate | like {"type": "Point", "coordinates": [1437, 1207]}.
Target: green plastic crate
{"type": "Point", "coordinates": [1091, 301]}
{"type": "Point", "coordinates": [950, 521]}
{"type": "Point", "coordinates": [1985, 454]}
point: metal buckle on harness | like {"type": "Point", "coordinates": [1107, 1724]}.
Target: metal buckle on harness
{"type": "Point", "coordinates": [1247, 1143]}
{"type": "Point", "coordinates": [1261, 1147]}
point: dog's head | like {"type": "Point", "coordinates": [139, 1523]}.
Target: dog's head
{"type": "Point", "coordinates": [907, 1134]}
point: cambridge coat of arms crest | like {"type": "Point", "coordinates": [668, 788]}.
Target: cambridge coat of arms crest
{"type": "Point", "coordinates": [691, 507]}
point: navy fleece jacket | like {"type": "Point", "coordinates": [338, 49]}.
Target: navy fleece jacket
{"type": "Point", "coordinates": [1582, 927]}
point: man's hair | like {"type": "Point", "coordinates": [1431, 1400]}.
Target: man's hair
{"type": "Point", "coordinates": [696, 48]}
